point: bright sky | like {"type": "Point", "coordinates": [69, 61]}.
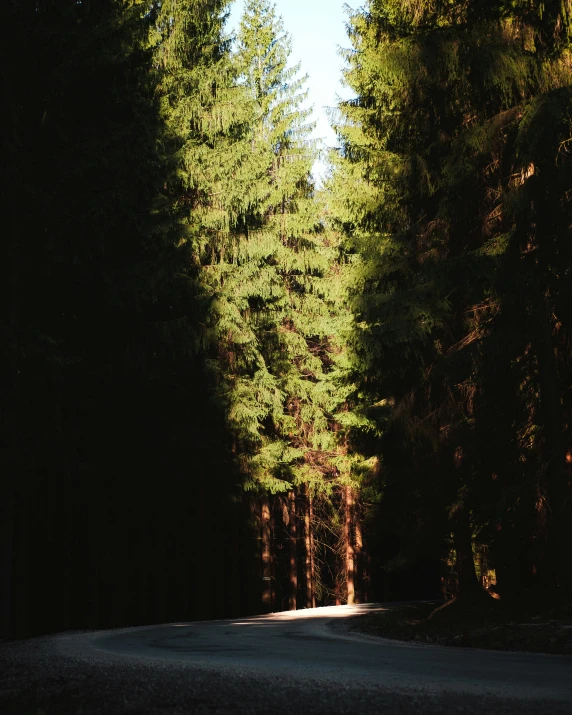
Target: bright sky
{"type": "Point", "coordinates": [317, 28]}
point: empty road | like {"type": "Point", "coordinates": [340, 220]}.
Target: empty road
{"type": "Point", "coordinates": [302, 661]}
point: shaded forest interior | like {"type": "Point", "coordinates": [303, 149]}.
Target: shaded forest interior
{"type": "Point", "coordinates": [227, 390]}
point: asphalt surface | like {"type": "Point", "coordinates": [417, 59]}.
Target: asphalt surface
{"type": "Point", "coordinates": [304, 661]}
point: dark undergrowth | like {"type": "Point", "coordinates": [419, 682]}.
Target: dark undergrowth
{"type": "Point", "coordinates": [466, 625]}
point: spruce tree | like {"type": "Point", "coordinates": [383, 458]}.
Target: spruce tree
{"type": "Point", "coordinates": [118, 456]}
{"type": "Point", "coordinates": [270, 274]}
{"type": "Point", "coordinates": [444, 113]}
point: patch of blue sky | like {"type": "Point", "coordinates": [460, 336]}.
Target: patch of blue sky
{"type": "Point", "coordinates": [318, 30]}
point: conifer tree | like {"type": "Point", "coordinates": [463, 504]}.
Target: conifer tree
{"type": "Point", "coordinates": [269, 271]}
{"type": "Point", "coordinates": [267, 257]}
{"type": "Point", "coordinates": [443, 115]}
{"type": "Point", "coordinates": [117, 143]}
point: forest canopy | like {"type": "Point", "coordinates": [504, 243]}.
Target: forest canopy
{"type": "Point", "coordinates": [229, 389]}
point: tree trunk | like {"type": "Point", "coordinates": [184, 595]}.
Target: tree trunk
{"type": "Point", "coordinates": [234, 604]}
{"type": "Point", "coordinates": [507, 565]}
{"type": "Point", "coordinates": [358, 560]}
{"type": "Point", "coordinates": [348, 538]}
{"type": "Point", "coordinates": [312, 560]}
{"type": "Point", "coordinates": [308, 556]}
{"type": "Point", "coordinates": [555, 457]}
{"type": "Point", "coordinates": [23, 574]}
{"type": "Point", "coordinates": [337, 594]}
{"type": "Point", "coordinates": [292, 529]}
{"type": "Point", "coordinates": [308, 552]}
{"type": "Point", "coordinates": [266, 556]}
{"type": "Point", "coordinates": [469, 586]}
{"type": "Point", "coordinates": [7, 566]}
{"type": "Point", "coordinates": [11, 406]}
{"type": "Point", "coordinates": [94, 540]}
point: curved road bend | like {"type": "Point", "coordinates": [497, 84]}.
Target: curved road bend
{"type": "Point", "coordinates": [301, 661]}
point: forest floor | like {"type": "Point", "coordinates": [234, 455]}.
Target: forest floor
{"type": "Point", "coordinates": [482, 627]}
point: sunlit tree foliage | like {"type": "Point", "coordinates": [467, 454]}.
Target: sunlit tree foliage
{"type": "Point", "coordinates": [452, 189]}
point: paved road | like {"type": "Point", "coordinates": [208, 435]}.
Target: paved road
{"type": "Point", "coordinates": [307, 644]}
{"type": "Point", "coordinates": [304, 661]}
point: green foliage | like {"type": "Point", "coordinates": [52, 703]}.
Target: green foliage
{"type": "Point", "coordinates": [450, 189]}
{"type": "Point", "coordinates": [180, 294]}
{"type": "Point", "coordinates": [269, 271]}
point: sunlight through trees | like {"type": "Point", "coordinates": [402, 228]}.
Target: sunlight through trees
{"type": "Point", "coordinates": [227, 390]}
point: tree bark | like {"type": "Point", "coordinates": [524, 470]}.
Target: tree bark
{"type": "Point", "coordinates": [7, 566]}
{"type": "Point", "coordinates": [11, 406]}
{"type": "Point", "coordinates": [307, 556]}
{"type": "Point", "coordinates": [292, 528]}
{"type": "Point", "coordinates": [348, 538]}
{"type": "Point", "coordinates": [308, 573]}
{"type": "Point", "coordinates": [557, 483]}
{"type": "Point", "coordinates": [23, 573]}
{"type": "Point", "coordinates": [266, 556]}
{"type": "Point", "coordinates": [468, 583]}
{"type": "Point", "coordinates": [468, 586]}
{"type": "Point", "coordinates": [358, 559]}
{"type": "Point", "coordinates": [312, 559]}
{"type": "Point", "coordinates": [94, 541]}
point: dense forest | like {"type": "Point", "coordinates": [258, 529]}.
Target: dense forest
{"type": "Point", "coordinates": [228, 389]}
